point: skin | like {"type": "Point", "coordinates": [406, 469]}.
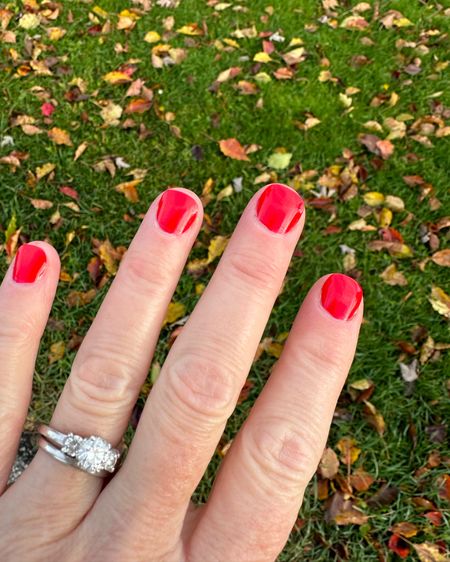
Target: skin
{"type": "Point", "coordinates": [55, 512]}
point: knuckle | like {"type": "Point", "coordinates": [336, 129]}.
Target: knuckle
{"type": "Point", "coordinates": [99, 386]}
{"type": "Point", "coordinates": [201, 388]}
{"type": "Point", "coordinates": [320, 355]}
{"type": "Point", "coordinates": [253, 268]}
{"type": "Point", "coordinates": [18, 332]}
{"type": "Point", "coordinates": [148, 273]}
{"type": "Point", "coordinates": [282, 455]}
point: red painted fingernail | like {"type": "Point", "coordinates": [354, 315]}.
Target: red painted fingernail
{"type": "Point", "coordinates": [341, 296]}
{"type": "Point", "coordinates": [279, 208]}
{"type": "Point", "coordinates": [28, 263]}
{"type": "Point", "coordinates": [176, 211]}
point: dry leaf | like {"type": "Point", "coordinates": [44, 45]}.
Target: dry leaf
{"type": "Point", "coordinates": [78, 298]}
{"type": "Point", "coordinates": [216, 247]}
{"type": "Point", "coordinates": [440, 301]}
{"type": "Point", "coordinates": [80, 150]}
{"type": "Point", "coordinates": [428, 552]}
{"type": "Point", "coordinates": [442, 258]}
{"type": "Point", "coordinates": [348, 449]}
{"type": "Point", "coordinates": [41, 203]}
{"type": "Point", "coordinates": [329, 464]}
{"type": "Point", "coordinates": [374, 418]}
{"type": "Point", "coordinates": [233, 149]}
{"type": "Point", "coordinates": [56, 352]}
{"type": "Point", "coordinates": [392, 276]}
{"type": "Point", "coordinates": [175, 311]}
{"type": "Point", "coordinates": [361, 480]}
{"type": "Point", "coordinates": [59, 136]}
{"type": "Point", "coordinates": [128, 188]}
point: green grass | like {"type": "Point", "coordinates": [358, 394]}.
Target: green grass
{"type": "Point", "coordinates": [183, 89]}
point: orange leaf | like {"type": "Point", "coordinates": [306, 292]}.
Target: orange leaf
{"type": "Point", "coordinates": [128, 188]}
{"type": "Point", "coordinates": [138, 105]}
{"type": "Point", "coordinates": [233, 149]}
{"type": "Point", "coordinates": [59, 136]}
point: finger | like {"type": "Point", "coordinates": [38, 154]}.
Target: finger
{"type": "Point", "coordinates": [114, 358]}
{"type": "Point", "coordinates": [207, 366]}
{"type": "Point", "coordinates": [26, 296]}
{"type": "Point", "coordinates": [260, 486]}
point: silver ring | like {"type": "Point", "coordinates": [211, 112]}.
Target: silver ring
{"type": "Point", "coordinates": [91, 454]}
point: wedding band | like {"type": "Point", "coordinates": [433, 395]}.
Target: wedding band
{"type": "Point", "coordinates": [91, 454]}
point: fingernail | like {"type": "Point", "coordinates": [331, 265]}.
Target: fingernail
{"type": "Point", "coordinates": [176, 211]}
{"type": "Point", "coordinates": [279, 208]}
{"type": "Point", "coordinates": [341, 296]}
{"type": "Point", "coordinates": [28, 263]}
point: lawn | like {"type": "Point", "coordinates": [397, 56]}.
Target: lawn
{"type": "Point", "coordinates": [106, 104]}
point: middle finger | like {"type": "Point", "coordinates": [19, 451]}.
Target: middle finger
{"type": "Point", "coordinates": [203, 374]}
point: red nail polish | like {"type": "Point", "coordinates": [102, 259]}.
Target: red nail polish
{"type": "Point", "coordinates": [28, 263]}
{"type": "Point", "coordinates": [279, 208]}
{"type": "Point", "coordinates": [341, 296]}
{"type": "Point", "coordinates": [176, 211]}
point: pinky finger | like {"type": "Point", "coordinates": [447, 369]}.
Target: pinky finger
{"type": "Point", "coordinates": [26, 297]}
{"type": "Point", "coordinates": [260, 486]}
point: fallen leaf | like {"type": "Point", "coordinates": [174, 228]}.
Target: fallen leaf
{"type": "Point", "coordinates": [29, 21]}
{"type": "Point", "coordinates": [428, 552]}
{"type": "Point", "coordinates": [233, 149]}
{"type": "Point", "coordinates": [108, 256]}
{"type": "Point", "coordinates": [41, 203]}
{"type": "Point", "coordinates": [78, 298]}
{"type": "Point", "coordinates": [384, 496]}
{"type": "Point", "coordinates": [399, 546]}
{"type": "Point", "coordinates": [442, 258]}
{"type": "Point", "coordinates": [56, 352]}
{"type": "Point", "coordinates": [175, 311]}
{"type": "Point", "coordinates": [69, 191]}
{"type": "Point", "coordinates": [392, 276]}
{"type": "Point", "coordinates": [47, 109]}
{"type": "Point", "coordinates": [440, 301]}
{"type": "Point", "coordinates": [111, 113]}
{"type": "Point", "coordinates": [128, 188]}
{"type": "Point", "coordinates": [373, 198]}
{"type": "Point", "coordinates": [434, 517]}
{"type": "Point", "coordinates": [374, 418]}
{"type": "Point", "coordinates": [190, 29]}
{"type": "Point", "coordinates": [361, 480]}
{"type": "Point", "coordinates": [348, 449]}
{"type": "Point", "coordinates": [279, 160]}
{"type": "Point", "coordinates": [444, 487]}
{"type": "Point", "coordinates": [405, 529]}
{"type": "Point", "coordinates": [59, 136]}
{"type": "Point", "coordinates": [216, 247]}
{"type": "Point", "coordinates": [343, 511]}
{"type": "Point", "coordinates": [152, 37]}
{"type": "Point", "coordinates": [329, 464]}
{"type": "Point", "coordinates": [228, 74]}
{"type": "Point", "coordinates": [409, 372]}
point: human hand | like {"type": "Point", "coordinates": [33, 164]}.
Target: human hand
{"type": "Point", "coordinates": [57, 512]}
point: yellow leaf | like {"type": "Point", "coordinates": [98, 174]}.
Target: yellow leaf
{"type": "Point", "coordinates": [55, 33]}
{"type": "Point", "coordinates": [374, 418]}
{"type": "Point", "coordinates": [196, 266]}
{"type": "Point", "coordinates": [116, 78]}
{"type": "Point", "coordinates": [44, 170]}
{"type": "Point", "coordinates": [190, 29]}
{"type": "Point", "coordinates": [348, 449]}
{"type": "Point", "coordinates": [440, 301]}
{"type": "Point", "coordinates": [402, 22]}
{"type": "Point", "coordinates": [428, 552]}
{"type": "Point", "coordinates": [385, 217]}
{"type": "Point", "coordinates": [80, 150]}
{"type": "Point", "coordinates": [56, 352]}
{"type": "Point", "coordinates": [216, 247]}
{"type": "Point", "coordinates": [373, 198]}
{"type": "Point", "coordinates": [29, 21]}
{"type": "Point", "coordinates": [174, 312]}
{"type": "Point", "coordinates": [346, 101]}
{"type": "Point", "coordinates": [128, 188]}
{"type": "Point", "coordinates": [262, 57]}
{"type": "Point", "coordinates": [106, 253]}
{"type": "Point", "coordinates": [392, 276]}
{"type": "Point", "coordinates": [225, 192]}
{"type": "Point", "coordinates": [152, 37]}
{"type": "Point", "coordinates": [59, 136]}
{"type": "Point", "coordinates": [100, 12]}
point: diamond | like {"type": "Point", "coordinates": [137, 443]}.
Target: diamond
{"type": "Point", "coordinates": [71, 444]}
{"type": "Point", "coordinates": [94, 454]}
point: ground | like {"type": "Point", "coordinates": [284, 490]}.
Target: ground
{"type": "Point", "coordinates": [346, 102]}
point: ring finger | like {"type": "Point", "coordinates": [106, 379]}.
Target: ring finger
{"type": "Point", "coordinates": [115, 355]}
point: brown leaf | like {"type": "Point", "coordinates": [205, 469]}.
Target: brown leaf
{"type": "Point", "coordinates": [329, 464]}
{"type": "Point", "coordinates": [344, 512]}
{"type": "Point", "coordinates": [56, 352]}
{"type": "Point", "coordinates": [442, 258]}
{"type": "Point", "coordinates": [444, 487]}
{"type": "Point", "coordinates": [233, 149]}
{"type": "Point", "coordinates": [428, 552]}
{"type": "Point", "coordinates": [384, 496]}
{"type": "Point", "coordinates": [59, 136]}
{"type": "Point", "coordinates": [41, 203]}
{"type": "Point", "coordinates": [405, 529]}
{"type": "Point", "coordinates": [385, 149]}
{"type": "Point", "coordinates": [78, 298]}
{"type": "Point", "coordinates": [374, 418]}
{"type": "Point", "coordinates": [361, 480]}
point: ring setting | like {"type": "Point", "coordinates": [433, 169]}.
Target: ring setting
{"type": "Point", "coordinates": [92, 454]}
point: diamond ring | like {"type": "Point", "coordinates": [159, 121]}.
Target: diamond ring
{"type": "Point", "coordinates": [91, 454]}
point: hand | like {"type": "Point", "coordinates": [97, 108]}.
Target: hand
{"type": "Point", "coordinates": [57, 512]}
